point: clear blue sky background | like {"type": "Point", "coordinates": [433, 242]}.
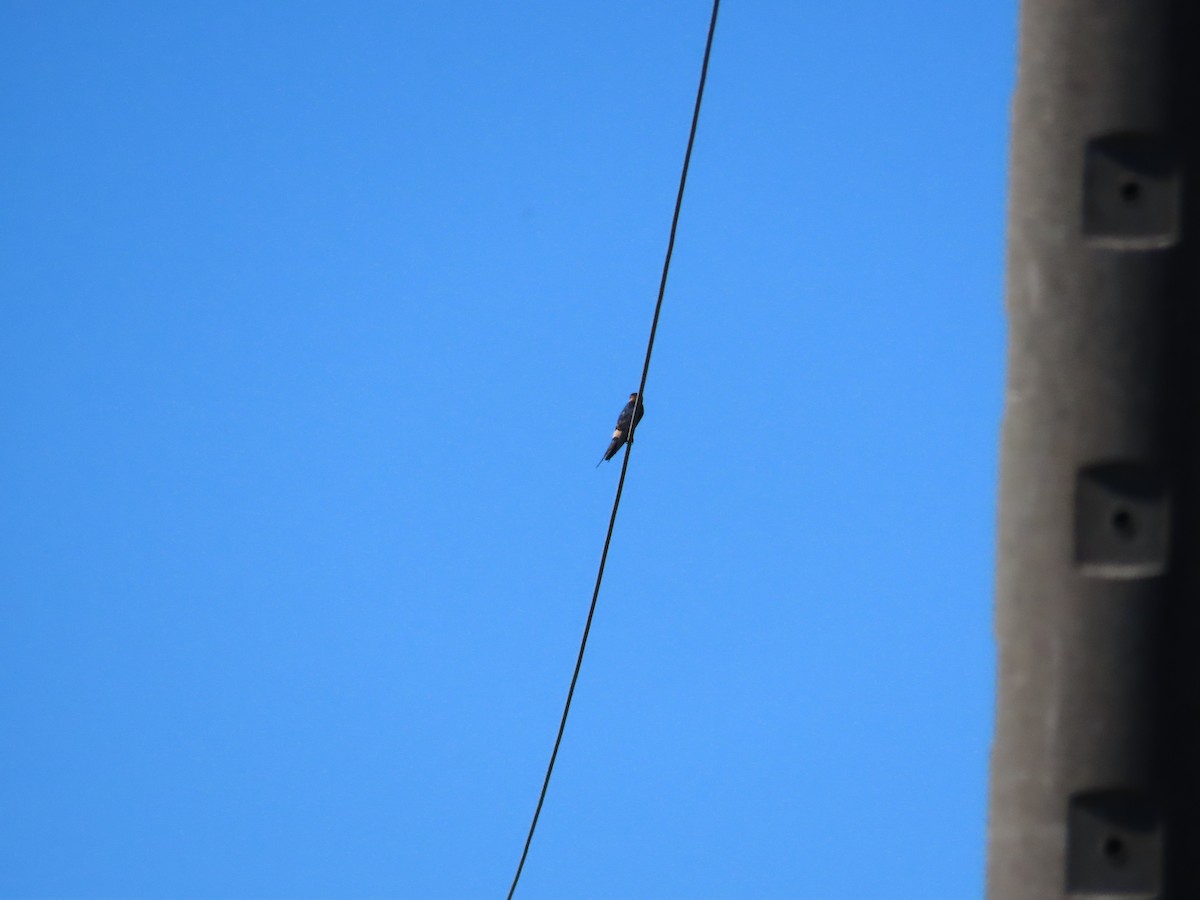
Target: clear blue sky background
{"type": "Point", "coordinates": [317, 318]}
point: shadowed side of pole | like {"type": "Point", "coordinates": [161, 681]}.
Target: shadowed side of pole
{"type": "Point", "coordinates": [1097, 735]}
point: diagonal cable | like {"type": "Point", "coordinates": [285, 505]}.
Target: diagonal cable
{"type": "Point", "coordinates": [612, 519]}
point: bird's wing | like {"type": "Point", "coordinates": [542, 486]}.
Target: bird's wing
{"type": "Point", "coordinates": [625, 418]}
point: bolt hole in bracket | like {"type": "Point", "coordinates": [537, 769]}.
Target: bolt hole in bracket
{"type": "Point", "coordinates": [1124, 524]}
{"type": "Point", "coordinates": [1114, 850]}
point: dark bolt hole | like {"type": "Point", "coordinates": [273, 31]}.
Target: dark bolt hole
{"type": "Point", "coordinates": [1123, 524]}
{"type": "Point", "coordinates": [1130, 191]}
{"type": "Point", "coordinates": [1114, 850]}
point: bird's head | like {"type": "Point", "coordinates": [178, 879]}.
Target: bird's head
{"type": "Point", "coordinates": [633, 396]}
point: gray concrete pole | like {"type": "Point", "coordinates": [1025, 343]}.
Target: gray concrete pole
{"type": "Point", "coordinates": [1093, 773]}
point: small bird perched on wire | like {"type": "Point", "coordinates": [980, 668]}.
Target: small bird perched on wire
{"type": "Point", "coordinates": [626, 422]}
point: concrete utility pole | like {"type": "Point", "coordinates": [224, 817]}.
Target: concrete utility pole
{"type": "Point", "coordinates": [1094, 781]}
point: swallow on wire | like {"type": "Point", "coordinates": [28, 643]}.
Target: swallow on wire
{"type": "Point", "coordinates": [626, 423]}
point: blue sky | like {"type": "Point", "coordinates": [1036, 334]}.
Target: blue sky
{"type": "Point", "coordinates": [317, 319]}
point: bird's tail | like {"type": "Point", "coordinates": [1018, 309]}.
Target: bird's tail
{"type": "Point", "coordinates": [617, 441]}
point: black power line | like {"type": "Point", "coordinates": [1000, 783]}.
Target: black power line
{"type": "Point", "coordinates": [612, 520]}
